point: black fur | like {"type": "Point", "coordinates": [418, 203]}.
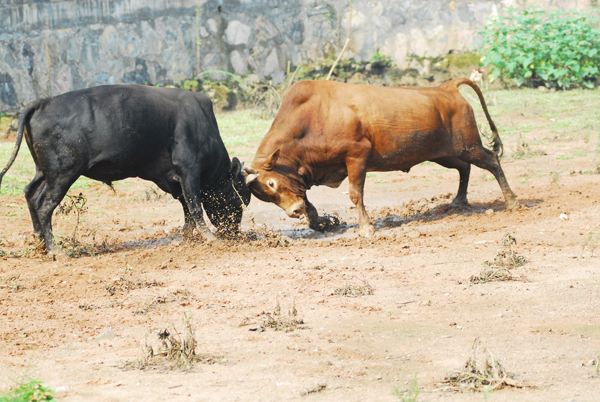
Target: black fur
{"type": "Point", "coordinates": [109, 133]}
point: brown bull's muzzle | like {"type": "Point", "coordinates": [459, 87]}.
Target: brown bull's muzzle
{"type": "Point", "coordinates": [296, 210]}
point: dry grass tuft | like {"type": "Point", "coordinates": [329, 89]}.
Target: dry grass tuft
{"type": "Point", "coordinates": [124, 283]}
{"type": "Point", "coordinates": [505, 260]}
{"type": "Point", "coordinates": [174, 351]}
{"type": "Point", "coordinates": [491, 274]}
{"type": "Point", "coordinates": [71, 245]}
{"type": "Point", "coordinates": [280, 322]}
{"type": "Point", "coordinates": [73, 205]}
{"type": "Point", "coordinates": [34, 248]}
{"type": "Point", "coordinates": [355, 290]}
{"type": "Point", "coordinates": [314, 390]}
{"type": "Point", "coordinates": [507, 257]}
{"type": "Point", "coordinates": [481, 372]}
{"type": "Point", "coordinates": [523, 150]}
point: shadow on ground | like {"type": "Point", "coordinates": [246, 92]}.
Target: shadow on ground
{"type": "Point", "coordinates": [392, 218]}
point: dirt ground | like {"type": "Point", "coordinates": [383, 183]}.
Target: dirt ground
{"type": "Point", "coordinates": [78, 323]}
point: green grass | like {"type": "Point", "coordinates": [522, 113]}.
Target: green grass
{"type": "Point", "coordinates": [23, 170]}
{"type": "Point", "coordinates": [563, 124]}
{"type": "Point", "coordinates": [409, 395]}
{"type": "Point", "coordinates": [242, 129]}
{"type": "Point", "coordinates": [241, 132]}
{"type": "Point", "coordinates": [31, 391]}
{"type": "Point", "coordinates": [527, 111]}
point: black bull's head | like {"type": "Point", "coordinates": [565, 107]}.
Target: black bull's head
{"type": "Point", "coordinates": [225, 203]}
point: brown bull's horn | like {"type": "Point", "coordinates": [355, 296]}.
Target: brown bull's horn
{"type": "Point", "coordinates": [251, 177]}
{"type": "Point", "coordinates": [248, 170]}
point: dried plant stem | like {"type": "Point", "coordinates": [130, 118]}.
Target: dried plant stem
{"type": "Point", "coordinates": [335, 63]}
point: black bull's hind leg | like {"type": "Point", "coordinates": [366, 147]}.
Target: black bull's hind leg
{"type": "Point", "coordinates": [43, 196]}
{"type": "Point", "coordinates": [31, 195]}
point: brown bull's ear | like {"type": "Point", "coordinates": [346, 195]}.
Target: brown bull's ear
{"type": "Point", "coordinates": [271, 160]}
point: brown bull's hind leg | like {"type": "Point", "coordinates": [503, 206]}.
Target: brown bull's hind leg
{"type": "Point", "coordinates": [357, 173]}
{"type": "Point", "coordinates": [488, 160]}
{"type": "Point", "coordinates": [464, 171]}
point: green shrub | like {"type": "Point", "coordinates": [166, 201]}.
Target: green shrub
{"type": "Point", "coordinates": [190, 85]}
{"type": "Point", "coordinates": [32, 391]}
{"type": "Point", "coordinates": [557, 49]}
{"type": "Point", "coordinates": [381, 59]}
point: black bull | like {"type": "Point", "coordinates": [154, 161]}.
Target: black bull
{"type": "Point", "coordinates": [109, 133]}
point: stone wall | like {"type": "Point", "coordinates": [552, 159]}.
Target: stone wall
{"type": "Point", "coordinates": [51, 46]}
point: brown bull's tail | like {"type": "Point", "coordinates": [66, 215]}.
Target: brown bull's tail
{"type": "Point", "coordinates": [23, 120]}
{"type": "Point", "coordinates": [496, 141]}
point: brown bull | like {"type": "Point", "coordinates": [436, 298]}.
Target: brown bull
{"type": "Point", "coordinates": [326, 131]}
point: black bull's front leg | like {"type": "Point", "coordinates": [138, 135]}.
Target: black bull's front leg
{"type": "Point", "coordinates": [316, 222]}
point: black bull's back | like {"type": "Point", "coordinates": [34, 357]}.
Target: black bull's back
{"type": "Point", "coordinates": [107, 133]}
{"type": "Point", "coordinates": [110, 133]}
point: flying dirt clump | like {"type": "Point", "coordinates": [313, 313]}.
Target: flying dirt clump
{"type": "Point", "coordinates": [481, 372]}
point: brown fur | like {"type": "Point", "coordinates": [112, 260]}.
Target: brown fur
{"type": "Point", "coordinates": [326, 131]}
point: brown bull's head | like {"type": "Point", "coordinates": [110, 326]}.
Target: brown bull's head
{"type": "Point", "coordinates": [280, 184]}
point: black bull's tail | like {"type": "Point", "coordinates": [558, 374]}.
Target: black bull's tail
{"type": "Point", "coordinates": [23, 120]}
{"type": "Point", "coordinates": [497, 146]}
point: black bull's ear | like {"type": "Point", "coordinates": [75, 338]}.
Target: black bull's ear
{"type": "Point", "coordinates": [236, 167]}
{"type": "Point", "coordinates": [239, 176]}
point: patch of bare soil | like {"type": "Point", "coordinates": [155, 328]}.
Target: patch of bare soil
{"type": "Point", "coordinates": [75, 322]}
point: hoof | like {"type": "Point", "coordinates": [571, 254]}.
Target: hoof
{"type": "Point", "coordinates": [187, 232]}
{"type": "Point", "coordinates": [324, 223]}
{"type": "Point", "coordinates": [330, 221]}
{"type": "Point", "coordinates": [512, 205]}
{"type": "Point", "coordinates": [208, 236]}
{"type": "Point", "coordinates": [56, 252]}
{"type": "Point", "coordinates": [460, 204]}
{"type": "Point", "coordinates": [201, 236]}
{"type": "Point", "coordinates": [366, 231]}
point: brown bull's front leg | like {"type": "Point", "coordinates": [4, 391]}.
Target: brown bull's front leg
{"type": "Point", "coordinates": [316, 222]}
{"type": "Point", "coordinates": [357, 172]}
